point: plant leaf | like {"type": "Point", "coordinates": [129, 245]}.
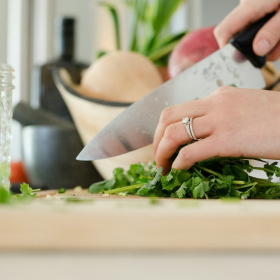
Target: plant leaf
{"type": "Point", "coordinates": [181, 192]}
{"type": "Point", "coordinates": [144, 191]}
{"type": "Point", "coordinates": [102, 186]}
{"type": "Point", "coordinates": [115, 17]}
{"type": "Point", "coordinates": [162, 11]}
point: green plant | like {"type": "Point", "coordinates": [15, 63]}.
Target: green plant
{"type": "Point", "coordinates": [150, 34]}
{"type": "Point", "coordinates": [213, 178]}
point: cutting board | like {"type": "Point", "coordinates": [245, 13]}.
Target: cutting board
{"type": "Point", "coordinates": [115, 223]}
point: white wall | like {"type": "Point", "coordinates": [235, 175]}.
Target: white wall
{"type": "Point", "coordinates": [84, 12]}
{"type": "Point", "coordinates": [213, 11]}
{"type": "Point", "coordinates": [3, 30]}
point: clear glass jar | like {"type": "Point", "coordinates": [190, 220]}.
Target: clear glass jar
{"type": "Point", "coordinates": [6, 112]}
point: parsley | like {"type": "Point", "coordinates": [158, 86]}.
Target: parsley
{"type": "Point", "coordinates": [26, 193]}
{"type": "Point", "coordinates": [227, 178]}
{"type": "Point", "coordinates": [62, 190]}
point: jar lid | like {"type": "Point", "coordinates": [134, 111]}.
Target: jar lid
{"type": "Point", "coordinates": [6, 77]}
{"type": "Point", "coordinates": [6, 68]}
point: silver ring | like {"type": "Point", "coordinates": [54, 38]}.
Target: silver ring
{"type": "Point", "coordinates": [187, 123]}
{"type": "Point", "coordinates": [191, 128]}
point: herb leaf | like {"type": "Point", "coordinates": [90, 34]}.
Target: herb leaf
{"type": "Point", "coordinates": [27, 191]}
{"type": "Point", "coordinates": [148, 187]}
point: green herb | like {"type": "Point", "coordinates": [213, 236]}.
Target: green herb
{"type": "Point", "coordinates": [78, 200]}
{"type": "Point", "coordinates": [154, 201]}
{"type": "Point", "coordinates": [27, 191]}
{"type": "Point", "coordinates": [122, 193]}
{"type": "Point", "coordinates": [62, 190]}
{"type": "Point", "coordinates": [214, 178]}
{"type": "Point", "coordinates": [5, 195]}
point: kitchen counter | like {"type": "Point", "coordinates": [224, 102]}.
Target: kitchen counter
{"type": "Point", "coordinates": [117, 233]}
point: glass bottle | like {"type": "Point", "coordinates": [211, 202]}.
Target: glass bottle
{"type": "Point", "coordinates": [6, 112]}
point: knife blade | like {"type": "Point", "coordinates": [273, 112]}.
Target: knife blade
{"type": "Point", "coordinates": [235, 64]}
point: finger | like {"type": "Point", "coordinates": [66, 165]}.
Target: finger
{"type": "Point", "coordinates": [176, 135]}
{"type": "Point", "coordinates": [274, 54]}
{"type": "Point", "coordinates": [201, 150]}
{"type": "Point", "coordinates": [268, 37]}
{"type": "Point", "coordinates": [242, 16]}
{"type": "Point", "coordinates": [196, 108]}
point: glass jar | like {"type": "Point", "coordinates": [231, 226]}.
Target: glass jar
{"type": "Point", "coordinates": [6, 112]}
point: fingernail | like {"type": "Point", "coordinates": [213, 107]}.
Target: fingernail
{"type": "Point", "coordinates": [262, 47]}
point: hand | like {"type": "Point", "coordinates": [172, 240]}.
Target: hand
{"type": "Point", "coordinates": [232, 122]}
{"type": "Point", "coordinates": [267, 41]}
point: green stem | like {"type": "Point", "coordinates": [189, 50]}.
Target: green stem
{"type": "Point", "coordinates": [266, 185]}
{"type": "Point", "coordinates": [199, 174]}
{"type": "Point", "coordinates": [238, 182]}
{"type": "Point", "coordinates": [129, 188]}
{"type": "Point", "coordinates": [248, 185]}
{"type": "Point", "coordinates": [156, 55]}
{"type": "Point", "coordinates": [263, 169]}
{"type": "Point", "coordinates": [258, 180]}
{"type": "Point", "coordinates": [115, 18]}
{"type": "Point", "coordinates": [219, 175]}
{"type": "Point", "coordinates": [209, 171]}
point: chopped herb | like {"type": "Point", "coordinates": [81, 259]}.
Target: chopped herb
{"type": "Point", "coordinates": [62, 190]}
{"type": "Point", "coordinates": [213, 178]}
{"type": "Point", "coordinates": [27, 191]}
{"type": "Point", "coordinates": [122, 193]}
{"type": "Point", "coordinates": [154, 201]}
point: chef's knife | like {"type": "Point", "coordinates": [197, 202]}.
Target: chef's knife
{"type": "Point", "coordinates": [236, 64]}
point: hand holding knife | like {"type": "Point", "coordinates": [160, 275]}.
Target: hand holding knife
{"type": "Point", "coordinates": [236, 63]}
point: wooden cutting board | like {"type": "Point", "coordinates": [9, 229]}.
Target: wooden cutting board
{"type": "Point", "coordinates": [131, 223]}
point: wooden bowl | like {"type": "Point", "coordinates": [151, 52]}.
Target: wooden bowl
{"type": "Point", "coordinates": [90, 116]}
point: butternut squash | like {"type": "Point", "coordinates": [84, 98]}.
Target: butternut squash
{"type": "Point", "coordinates": [121, 77]}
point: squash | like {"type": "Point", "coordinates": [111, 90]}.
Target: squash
{"type": "Point", "coordinates": [120, 77]}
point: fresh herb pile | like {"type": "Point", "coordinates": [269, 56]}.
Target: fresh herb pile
{"type": "Point", "coordinates": [213, 178]}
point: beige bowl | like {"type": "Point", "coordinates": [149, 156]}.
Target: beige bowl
{"type": "Point", "coordinates": [90, 116]}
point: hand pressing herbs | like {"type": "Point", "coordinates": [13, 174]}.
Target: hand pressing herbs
{"type": "Point", "coordinates": [213, 178]}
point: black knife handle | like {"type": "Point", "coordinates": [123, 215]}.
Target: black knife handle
{"type": "Point", "coordinates": [243, 41]}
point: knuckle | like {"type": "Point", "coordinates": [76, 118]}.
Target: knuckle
{"type": "Point", "coordinates": [217, 31]}
{"type": "Point", "coordinates": [157, 158]}
{"type": "Point", "coordinates": [186, 154]}
{"type": "Point", "coordinates": [224, 89]}
{"type": "Point", "coordinates": [273, 36]}
{"type": "Point", "coordinates": [224, 94]}
{"type": "Point", "coordinates": [165, 115]}
{"type": "Point", "coordinates": [170, 132]}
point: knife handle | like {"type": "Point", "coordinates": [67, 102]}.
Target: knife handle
{"type": "Point", "coordinates": [243, 41]}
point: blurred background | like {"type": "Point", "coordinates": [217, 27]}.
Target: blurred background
{"type": "Point", "coordinates": [31, 33]}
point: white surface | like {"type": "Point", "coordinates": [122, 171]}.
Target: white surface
{"type": "Point", "coordinates": [18, 45]}
{"type": "Point", "coordinates": [87, 26]}
{"type": "Point", "coordinates": [42, 30]}
{"type": "Point", "coordinates": [3, 30]}
{"type": "Point", "coordinates": [125, 266]}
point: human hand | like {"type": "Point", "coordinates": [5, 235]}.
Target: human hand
{"type": "Point", "coordinates": [267, 41]}
{"type": "Point", "coordinates": [232, 122]}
